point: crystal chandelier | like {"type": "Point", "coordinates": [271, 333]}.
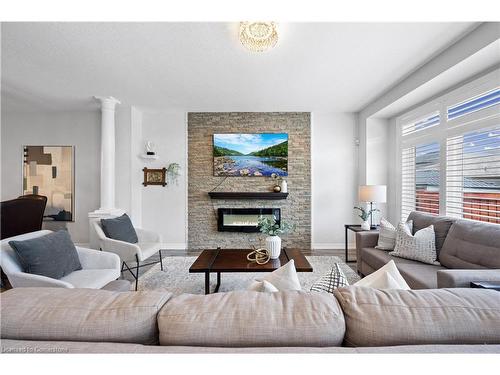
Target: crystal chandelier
{"type": "Point", "coordinates": [258, 36]}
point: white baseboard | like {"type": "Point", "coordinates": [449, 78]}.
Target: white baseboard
{"type": "Point", "coordinates": [332, 245]}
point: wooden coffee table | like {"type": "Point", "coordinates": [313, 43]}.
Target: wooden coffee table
{"type": "Point", "coordinates": [235, 260]}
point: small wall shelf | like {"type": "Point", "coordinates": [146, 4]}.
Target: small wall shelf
{"type": "Point", "coordinates": [247, 195]}
{"type": "Point", "coordinates": [146, 156]}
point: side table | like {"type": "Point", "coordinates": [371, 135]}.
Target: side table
{"type": "Point", "coordinates": [355, 228]}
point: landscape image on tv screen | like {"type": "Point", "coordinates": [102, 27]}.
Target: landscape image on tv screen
{"type": "Point", "coordinates": [251, 155]}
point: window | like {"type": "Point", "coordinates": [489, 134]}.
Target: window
{"type": "Point", "coordinates": [421, 124]}
{"type": "Point", "coordinates": [473, 176]}
{"type": "Point", "coordinates": [474, 104]}
{"type": "Point", "coordinates": [420, 179]}
{"type": "Point", "coordinates": [450, 153]}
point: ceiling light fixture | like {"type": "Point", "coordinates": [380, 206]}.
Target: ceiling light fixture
{"type": "Point", "coordinates": [258, 36]}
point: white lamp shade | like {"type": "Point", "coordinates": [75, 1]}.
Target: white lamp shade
{"type": "Point", "coordinates": [372, 193]}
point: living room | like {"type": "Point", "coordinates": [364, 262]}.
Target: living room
{"type": "Point", "coordinates": [287, 186]}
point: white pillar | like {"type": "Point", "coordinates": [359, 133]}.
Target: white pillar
{"type": "Point", "coordinates": [107, 206]}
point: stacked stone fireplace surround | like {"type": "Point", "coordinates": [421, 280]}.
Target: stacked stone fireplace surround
{"type": "Point", "coordinates": [202, 210]}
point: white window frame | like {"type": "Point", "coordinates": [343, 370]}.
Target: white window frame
{"type": "Point", "coordinates": [478, 120]}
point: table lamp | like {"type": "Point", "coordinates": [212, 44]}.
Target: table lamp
{"type": "Point", "coordinates": [372, 194]}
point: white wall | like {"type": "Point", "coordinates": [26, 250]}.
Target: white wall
{"type": "Point", "coordinates": [81, 129]}
{"type": "Point", "coordinates": [377, 150]}
{"type": "Point", "coordinates": [334, 178]}
{"type": "Point", "coordinates": [164, 209]}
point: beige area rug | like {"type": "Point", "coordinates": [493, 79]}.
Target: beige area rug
{"type": "Point", "coordinates": [176, 278]}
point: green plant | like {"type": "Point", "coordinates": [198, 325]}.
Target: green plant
{"type": "Point", "coordinates": [269, 226]}
{"type": "Point", "coordinates": [364, 213]}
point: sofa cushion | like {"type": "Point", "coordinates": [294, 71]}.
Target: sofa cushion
{"type": "Point", "coordinates": [420, 275]}
{"type": "Point", "coordinates": [377, 258]}
{"type": "Point", "coordinates": [119, 228]}
{"type": "Point", "coordinates": [252, 319]}
{"type": "Point", "coordinates": [418, 317]}
{"type": "Point", "coordinates": [472, 244]}
{"type": "Point", "coordinates": [81, 315]}
{"type": "Point", "coordinates": [442, 225]}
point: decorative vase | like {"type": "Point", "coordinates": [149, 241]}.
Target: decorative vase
{"type": "Point", "coordinates": [365, 225]}
{"type": "Point", "coordinates": [276, 189]}
{"type": "Point", "coordinates": [273, 245]}
{"type": "Point", "coordinates": [284, 186]}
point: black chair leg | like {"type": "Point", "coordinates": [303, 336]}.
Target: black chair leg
{"type": "Point", "coordinates": [161, 260]}
{"type": "Point", "coordinates": [136, 272]}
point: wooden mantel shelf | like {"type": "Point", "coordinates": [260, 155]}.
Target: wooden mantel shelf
{"type": "Point", "coordinates": [247, 195]}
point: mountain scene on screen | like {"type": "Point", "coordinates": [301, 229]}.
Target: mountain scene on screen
{"type": "Point", "coordinates": [251, 155]}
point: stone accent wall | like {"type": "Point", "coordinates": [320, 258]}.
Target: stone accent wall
{"type": "Point", "coordinates": [202, 211]}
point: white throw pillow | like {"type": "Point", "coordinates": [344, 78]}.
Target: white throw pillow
{"type": "Point", "coordinates": [386, 277]}
{"type": "Point", "coordinates": [387, 234]}
{"type": "Point", "coordinates": [262, 286]}
{"type": "Point", "coordinates": [284, 278]}
{"type": "Point", "coordinates": [421, 246]}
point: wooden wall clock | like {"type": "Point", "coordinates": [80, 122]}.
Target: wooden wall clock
{"type": "Point", "coordinates": [154, 176]}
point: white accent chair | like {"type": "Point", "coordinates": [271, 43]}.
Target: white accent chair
{"type": "Point", "coordinates": [149, 244]}
{"type": "Point", "coordinates": [98, 268]}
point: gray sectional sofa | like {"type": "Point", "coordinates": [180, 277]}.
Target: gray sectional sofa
{"type": "Point", "coordinates": [467, 250]}
{"type": "Point", "coordinates": [354, 320]}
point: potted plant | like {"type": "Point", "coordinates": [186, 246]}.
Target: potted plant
{"type": "Point", "coordinates": [269, 226]}
{"type": "Point", "coordinates": [365, 214]}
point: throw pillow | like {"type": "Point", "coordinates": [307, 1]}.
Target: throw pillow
{"type": "Point", "coordinates": [53, 255]}
{"type": "Point", "coordinates": [421, 246]}
{"type": "Point", "coordinates": [262, 286]}
{"type": "Point", "coordinates": [386, 277]}
{"type": "Point", "coordinates": [284, 278]}
{"type": "Point", "coordinates": [119, 228]}
{"type": "Point", "coordinates": [334, 279]}
{"type": "Point", "coordinates": [387, 235]}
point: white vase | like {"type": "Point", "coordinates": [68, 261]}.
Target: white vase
{"type": "Point", "coordinates": [273, 245]}
{"type": "Point", "coordinates": [365, 225]}
{"type": "Point", "coordinates": [284, 186]}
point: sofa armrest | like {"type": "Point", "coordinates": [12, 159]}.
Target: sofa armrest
{"type": "Point", "coordinates": [30, 280]}
{"type": "Point", "coordinates": [364, 239]}
{"type": "Point", "coordinates": [95, 259]}
{"type": "Point", "coordinates": [147, 235]}
{"type": "Point", "coordinates": [462, 278]}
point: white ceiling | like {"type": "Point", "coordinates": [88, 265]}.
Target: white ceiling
{"type": "Point", "coordinates": [338, 67]}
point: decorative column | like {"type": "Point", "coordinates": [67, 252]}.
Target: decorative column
{"type": "Point", "coordinates": [107, 206]}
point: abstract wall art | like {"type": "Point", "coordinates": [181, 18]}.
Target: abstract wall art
{"type": "Point", "coordinates": [49, 171]}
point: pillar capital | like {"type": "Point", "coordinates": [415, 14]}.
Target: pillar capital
{"type": "Point", "coordinates": [107, 102]}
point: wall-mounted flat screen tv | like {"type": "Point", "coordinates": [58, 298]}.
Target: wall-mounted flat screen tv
{"type": "Point", "coordinates": [251, 155]}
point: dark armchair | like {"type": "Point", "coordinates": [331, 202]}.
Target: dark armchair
{"type": "Point", "coordinates": [21, 215]}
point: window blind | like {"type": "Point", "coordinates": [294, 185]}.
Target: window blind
{"type": "Point", "coordinates": [424, 123]}
{"type": "Point", "coordinates": [473, 176]}
{"type": "Point", "coordinates": [407, 182]}
{"type": "Point", "coordinates": [474, 104]}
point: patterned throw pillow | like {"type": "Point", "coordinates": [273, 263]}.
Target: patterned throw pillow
{"type": "Point", "coordinates": [387, 235]}
{"type": "Point", "coordinates": [334, 279]}
{"type": "Point", "coordinates": [421, 246]}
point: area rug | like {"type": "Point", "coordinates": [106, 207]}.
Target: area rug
{"type": "Point", "coordinates": [176, 278]}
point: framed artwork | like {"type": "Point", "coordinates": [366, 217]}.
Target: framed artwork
{"type": "Point", "coordinates": [250, 155]}
{"type": "Point", "coordinates": [50, 171]}
{"type": "Point", "coordinates": [154, 176]}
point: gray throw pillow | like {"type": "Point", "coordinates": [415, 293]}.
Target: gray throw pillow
{"type": "Point", "coordinates": [334, 279]}
{"type": "Point", "coordinates": [119, 228]}
{"type": "Point", "coordinates": [53, 255]}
